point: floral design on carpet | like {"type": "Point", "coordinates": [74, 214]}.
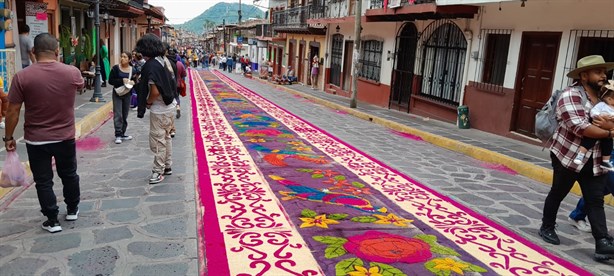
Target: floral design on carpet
{"type": "Point", "coordinates": [333, 211]}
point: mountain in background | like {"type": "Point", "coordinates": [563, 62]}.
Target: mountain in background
{"type": "Point", "coordinates": [214, 15]}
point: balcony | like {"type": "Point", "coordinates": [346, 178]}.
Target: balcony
{"type": "Point", "coordinates": [379, 4]}
{"type": "Point", "coordinates": [336, 11]}
{"type": "Point", "coordinates": [403, 10]}
{"type": "Point", "coordinates": [264, 30]}
{"type": "Point", "coordinates": [294, 20]}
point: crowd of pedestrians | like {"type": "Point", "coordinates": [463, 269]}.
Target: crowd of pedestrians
{"type": "Point", "coordinates": [151, 77]}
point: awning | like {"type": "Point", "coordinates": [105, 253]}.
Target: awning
{"type": "Point", "coordinates": [421, 12]}
{"type": "Point", "coordinates": [118, 8]}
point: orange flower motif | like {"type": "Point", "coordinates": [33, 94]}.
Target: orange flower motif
{"type": "Point", "coordinates": [358, 191]}
{"type": "Point", "coordinates": [329, 173]}
{"type": "Point", "coordinates": [301, 148]}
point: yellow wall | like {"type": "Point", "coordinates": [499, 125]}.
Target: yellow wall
{"type": "Point", "coordinates": [306, 59]}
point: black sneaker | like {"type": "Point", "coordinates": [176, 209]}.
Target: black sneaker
{"type": "Point", "coordinates": [72, 215]}
{"type": "Point", "coordinates": [549, 235]}
{"type": "Point", "coordinates": [168, 171]}
{"type": "Point", "coordinates": [607, 165]}
{"type": "Point", "coordinates": [178, 114]}
{"type": "Point", "coordinates": [52, 226]}
{"type": "Point", "coordinates": [604, 249]}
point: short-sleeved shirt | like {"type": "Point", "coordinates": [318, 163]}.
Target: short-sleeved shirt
{"type": "Point", "coordinates": [47, 91]}
{"type": "Point", "coordinates": [25, 46]}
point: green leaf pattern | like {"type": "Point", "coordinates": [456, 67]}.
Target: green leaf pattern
{"type": "Point", "coordinates": [387, 270]}
{"type": "Point", "coordinates": [364, 219]}
{"type": "Point", "coordinates": [307, 213]}
{"type": "Point", "coordinates": [344, 267]}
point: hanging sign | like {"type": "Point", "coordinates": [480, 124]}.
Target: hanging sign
{"type": "Point", "coordinates": [36, 18]}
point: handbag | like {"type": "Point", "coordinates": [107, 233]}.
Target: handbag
{"type": "Point", "coordinates": [124, 89]}
{"type": "Point", "coordinates": [182, 88]}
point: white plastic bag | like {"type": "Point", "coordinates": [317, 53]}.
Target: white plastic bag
{"type": "Point", "coordinates": [13, 172]}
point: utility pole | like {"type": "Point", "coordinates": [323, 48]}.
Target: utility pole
{"type": "Point", "coordinates": [224, 34]}
{"type": "Point", "coordinates": [356, 56]}
{"type": "Point", "coordinates": [239, 17]}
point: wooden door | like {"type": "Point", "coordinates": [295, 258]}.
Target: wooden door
{"type": "Point", "coordinates": [280, 54]}
{"type": "Point", "coordinates": [538, 55]}
{"type": "Point", "coordinates": [347, 65]}
{"type": "Point", "coordinates": [290, 54]}
{"type": "Point", "coordinates": [301, 56]}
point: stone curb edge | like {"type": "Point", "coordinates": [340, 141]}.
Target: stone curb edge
{"type": "Point", "coordinates": [82, 128]}
{"type": "Point", "coordinates": [524, 168]}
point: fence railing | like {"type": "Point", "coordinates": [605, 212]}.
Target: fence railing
{"type": "Point", "coordinates": [333, 9]}
{"type": "Point", "coordinates": [264, 30]}
{"type": "Point", "coordinates": [293, 18]}
{"type": "Point", "coordinates": [379, 4]}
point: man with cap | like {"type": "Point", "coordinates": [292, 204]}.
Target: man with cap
{"type": "Point", "coordinates": [573, 116]}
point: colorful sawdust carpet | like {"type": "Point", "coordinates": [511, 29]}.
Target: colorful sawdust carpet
{"type": "Point", "coordinates": [281, 197]}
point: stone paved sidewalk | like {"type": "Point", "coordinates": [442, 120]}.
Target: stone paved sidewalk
{"type": "Point", "coordinates": [125, 225]}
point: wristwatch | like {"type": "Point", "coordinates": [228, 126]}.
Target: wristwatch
{"type": "Point", "coordinates": [7, 139]}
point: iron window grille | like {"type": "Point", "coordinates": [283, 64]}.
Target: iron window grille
{"type": "Point", "coordinates": [492, 60]}
{"type": "Point", "coordinates": [443, 62]}
{"type": "Point", "coordinates": [587, 42]}
{"type": "Point", "coordinates": [371, 59]}
{"type": "Point", "coordinates": [336, 59]}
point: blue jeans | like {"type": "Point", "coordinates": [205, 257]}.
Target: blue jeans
{"type": "Point", "coordinates": [580, 213]}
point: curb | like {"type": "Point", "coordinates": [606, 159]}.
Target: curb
{"type": "Point", "coordinates": [524, 168]}
{"type": "Point", "coordinates": [92, 120]}
{"type": "Point", "coordinates": [82, 128]}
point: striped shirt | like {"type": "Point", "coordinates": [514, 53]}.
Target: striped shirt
{"type": "Point", "coordinates": [572, 113]}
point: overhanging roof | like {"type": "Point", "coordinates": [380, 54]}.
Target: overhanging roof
{"type": "Point", "coordinates": [421, 12]}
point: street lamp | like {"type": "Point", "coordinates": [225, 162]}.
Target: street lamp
{"type": "Point", "coordinates": [149, 23]}
{"type": "Point", "coordinates": [97, 96]}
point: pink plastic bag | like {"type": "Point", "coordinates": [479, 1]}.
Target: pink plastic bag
{"type": "Point", "coordinates": [13, 172]}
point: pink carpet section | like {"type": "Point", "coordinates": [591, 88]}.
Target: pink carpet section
{"type": "Point", "coordinates": [211, 237]}
{"type": "Point", "coordinates": [564, 263]}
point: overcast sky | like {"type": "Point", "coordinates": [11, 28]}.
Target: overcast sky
{"type": "Point", "coordinates": [179, 11]}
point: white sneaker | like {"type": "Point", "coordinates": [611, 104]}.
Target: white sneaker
{"type": "Point", "coordinates": [582, 225]}
{"type": "Point", "coordinates": [126, 137]}
{"type": "Point", "coordinates": [118, 140]}
{"type": "Point", "coordinates": [2, 125]}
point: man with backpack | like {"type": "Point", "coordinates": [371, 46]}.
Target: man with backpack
{"type": "Point", "coordinates": [572, 113]}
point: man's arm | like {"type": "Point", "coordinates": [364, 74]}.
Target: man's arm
{"type": "Point", "coordinates": [31, 51]}
{"type": "Point", "coordinates": [32, 57]}
{"type": "Point", "coordinates": [153, 94]}
{"type": "Point", "coordinates": [12, 117]}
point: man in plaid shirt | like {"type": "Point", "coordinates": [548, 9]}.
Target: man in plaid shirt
{"type": "Point", "coordinates": [572, 113]}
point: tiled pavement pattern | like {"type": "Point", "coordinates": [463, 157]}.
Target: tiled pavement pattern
{"type": "Point", "coordinates": [513, 201]}
{"type": "Point", "coordinates": [125, 225]}
{"type": "Point", "coordinates": [513, 148]}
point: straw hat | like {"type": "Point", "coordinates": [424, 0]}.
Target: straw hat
{"type": "Point", "coordinates": [588, 63]}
